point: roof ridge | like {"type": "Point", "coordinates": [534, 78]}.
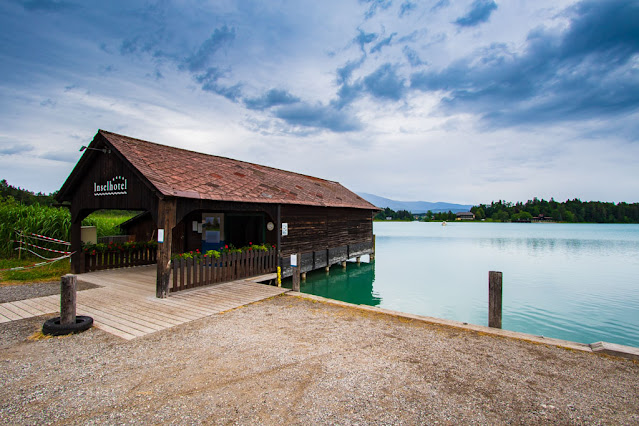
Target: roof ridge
{"type": "Point", "coordinates": [218, 156]}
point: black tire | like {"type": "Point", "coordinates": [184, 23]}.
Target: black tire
{"type": "Point", "coordinates": [52, 327]}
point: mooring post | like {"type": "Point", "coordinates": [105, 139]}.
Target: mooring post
{"type": "Point", "coordinates": [494, 299]}
{"type": "Point", "coordinates": [296, 274]}
{"type": "Point", "coordinates": [68, 287]}
{"type": "Point", "coordinates": [344, 264]}
{"type": "Point", "coordinates": [303, 275]}
{"type": "Point", "coordinates": [372, 255]}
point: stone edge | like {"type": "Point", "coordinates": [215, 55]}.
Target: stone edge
{"type": "Point", "coordinates": [597, 348]}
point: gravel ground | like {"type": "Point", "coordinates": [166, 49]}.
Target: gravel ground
{"type": "Point", "coordinates": [291, 360]}
{"type": "Point", "coordinates": [13, 292]}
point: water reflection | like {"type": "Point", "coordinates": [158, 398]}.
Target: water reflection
{"type": "Point", "coordinates": [572, 245]}
{"type": "Point", "coordinates": [575, 282]}
{"type": "Point", "coordinates": [353, 284]}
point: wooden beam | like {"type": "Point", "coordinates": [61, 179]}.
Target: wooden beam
{"type": "Point", "coordinates": [166, 221]}
{"type": "Point", "coordinates": [76, 246]}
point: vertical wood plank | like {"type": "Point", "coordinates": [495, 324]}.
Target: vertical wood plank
{"type": "Point", "coordinates": [189, 267]}
{"type": "Point", "coordinates": [174, 268]}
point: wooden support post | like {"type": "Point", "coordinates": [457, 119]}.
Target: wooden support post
{"type": "Point", "coordinates": [344, 265]}
{"type": "Point", "coordinates": [494, 299]}
{"type": "Point", "coordinates": [327, 269]}
{"type": "Point", "coordinates": [303, 275]}
{"type": "Point", "coordinates": [296, 275]}
{"type": "Point", "coordinates": [68, 286]}
{"type": "Point", "coordinates": [372, 255]}
{"type": "Point", "coordinates": [358, 260]}
{"type": "Point", "coordinates": [166, 221]}
{"type": "Point", "coordinates": [76, 246]}
{"type": "Point", "coordinates": [20, 249]}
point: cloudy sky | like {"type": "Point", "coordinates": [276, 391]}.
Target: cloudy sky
{"type": "Point", "coordinates": [439, 100]}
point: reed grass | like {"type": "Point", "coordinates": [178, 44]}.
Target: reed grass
{"type": "Point", "coordinates": [50, 221]}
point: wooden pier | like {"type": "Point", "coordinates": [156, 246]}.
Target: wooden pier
{"type": "Point", "coordinates": [125, 304]}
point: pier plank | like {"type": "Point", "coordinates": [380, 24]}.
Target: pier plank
{"type": "Point", "coordinates": [124, 303]}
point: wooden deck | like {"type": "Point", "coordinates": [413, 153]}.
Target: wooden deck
{"type": "Point", "coordinates": [126, 305]}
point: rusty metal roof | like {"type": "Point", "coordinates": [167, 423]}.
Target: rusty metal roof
{"type": "Point", "coordinates": [188, 174]}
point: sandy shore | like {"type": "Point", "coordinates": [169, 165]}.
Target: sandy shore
{"type": "Point", "coordinates": [298, 361]}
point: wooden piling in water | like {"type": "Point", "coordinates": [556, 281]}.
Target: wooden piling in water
{"type": "Point", "coordinates": [494, 299]}
{"type": "Point", "coordinates": [296, 275]}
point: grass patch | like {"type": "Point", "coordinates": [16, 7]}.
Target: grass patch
{"type": "Point", "coordinates": [38, 335]}
{"type": "Point", "coordinates": [108, 222]}
{"type": "Point", "coordinates": [51, 272]}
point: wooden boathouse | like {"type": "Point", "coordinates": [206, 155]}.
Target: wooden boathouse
{"type": "Point", "coordinates": [194, 201]}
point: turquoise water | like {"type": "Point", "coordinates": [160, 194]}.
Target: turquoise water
{"type": "Point", "coordinates": [577, 282]}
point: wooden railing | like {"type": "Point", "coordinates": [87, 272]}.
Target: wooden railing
{"type": "Point", "coordinates": [190, 273]}
{"type": "Point", "coordinates": [122, 259]}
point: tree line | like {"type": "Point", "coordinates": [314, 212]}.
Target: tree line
{"type": "Point", "coordinates": [24, 196]}
{"type": "Point", "coordinates": [572, 211]}
{"type": "Point", "coordinates": [405, 215]}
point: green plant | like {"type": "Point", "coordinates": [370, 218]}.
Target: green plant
{"type": "Point", "coordinates": [227, 249]}
{"type": "Point", "coordinates": [93, 249]}
{"type": "Point", "coordinates": [50, 221]}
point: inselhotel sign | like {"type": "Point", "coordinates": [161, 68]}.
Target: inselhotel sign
{"type": "Point", "coordinates": [115, 186]}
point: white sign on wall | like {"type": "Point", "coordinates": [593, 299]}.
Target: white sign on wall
{"type": "Point", "coordinates": [293, 260]}
{"type": "Point", "coordinates": [160, 235]}
{"type": "Point", "coordinates": [284, 229]}
{"type": "Point", "coordinates": [115, 186]}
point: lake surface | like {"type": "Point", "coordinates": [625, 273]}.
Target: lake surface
{"type": "Point", "coordinates": [577, 282]}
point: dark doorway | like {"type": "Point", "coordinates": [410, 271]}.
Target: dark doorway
{"type": "Point", "coordinates": [242, 230]}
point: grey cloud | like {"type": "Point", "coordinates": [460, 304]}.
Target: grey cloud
{"type": "Point", "coordinates": [384, 42]}
{"type": "Point", "coordinates": [407, 8]}
{"type": "Point", "coordinates": [479, 13]}
{"type": "Point", "coordinates": [318, 116]}
{"type": "Point", "coordinates": [210, 83]}
{"type": "Point", "coordinates": [273, 97]}
{"type": "Point", "coordinates": [412, 37]}
{"type": "Point", "coordinates": [584, 72]}
{"type": "Point", "coordinates": [200, 59]}
{"type": "Point", "coordinates": [440, 5]}
{"type": "Point", "coordinates": [375, 5]}
{"type": "Point", "coordinates": [346, 94]}
{"type": "Point", "coordinates": [363, 38]}
{"type": "Point", "coordinates": [385, 83]}
{"type": "Point", "coordinates": [65, 157]}
{"type": "Point", "coordinates": [412, 56]}
{"type": "Point", "coordinates": [48, 103]}
{"type": "Point", "coordinates": [344, 73]}
{"type": "Point", "coordinates": [48, 5]}
{"type": "Point", "coordinates": [16, 149]}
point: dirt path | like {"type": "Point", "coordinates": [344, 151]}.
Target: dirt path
{"type": "Point", "coordinates": [297, 361]}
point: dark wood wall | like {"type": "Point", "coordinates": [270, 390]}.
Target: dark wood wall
{"type": "Point", "coordinates": [101, 168]}
{"type": "Point", "coordinates": [143, 228]}
{"type": "Point", "coordinates": [321, 228]}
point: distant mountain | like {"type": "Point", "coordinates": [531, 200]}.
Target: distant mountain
{"type": "Point", "coordinates": [415, 207]}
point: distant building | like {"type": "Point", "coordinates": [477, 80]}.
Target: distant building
{"type": "Point", "coordinates": [542, 218]}
{"type": "Point", "coordinates": [465, 216]}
